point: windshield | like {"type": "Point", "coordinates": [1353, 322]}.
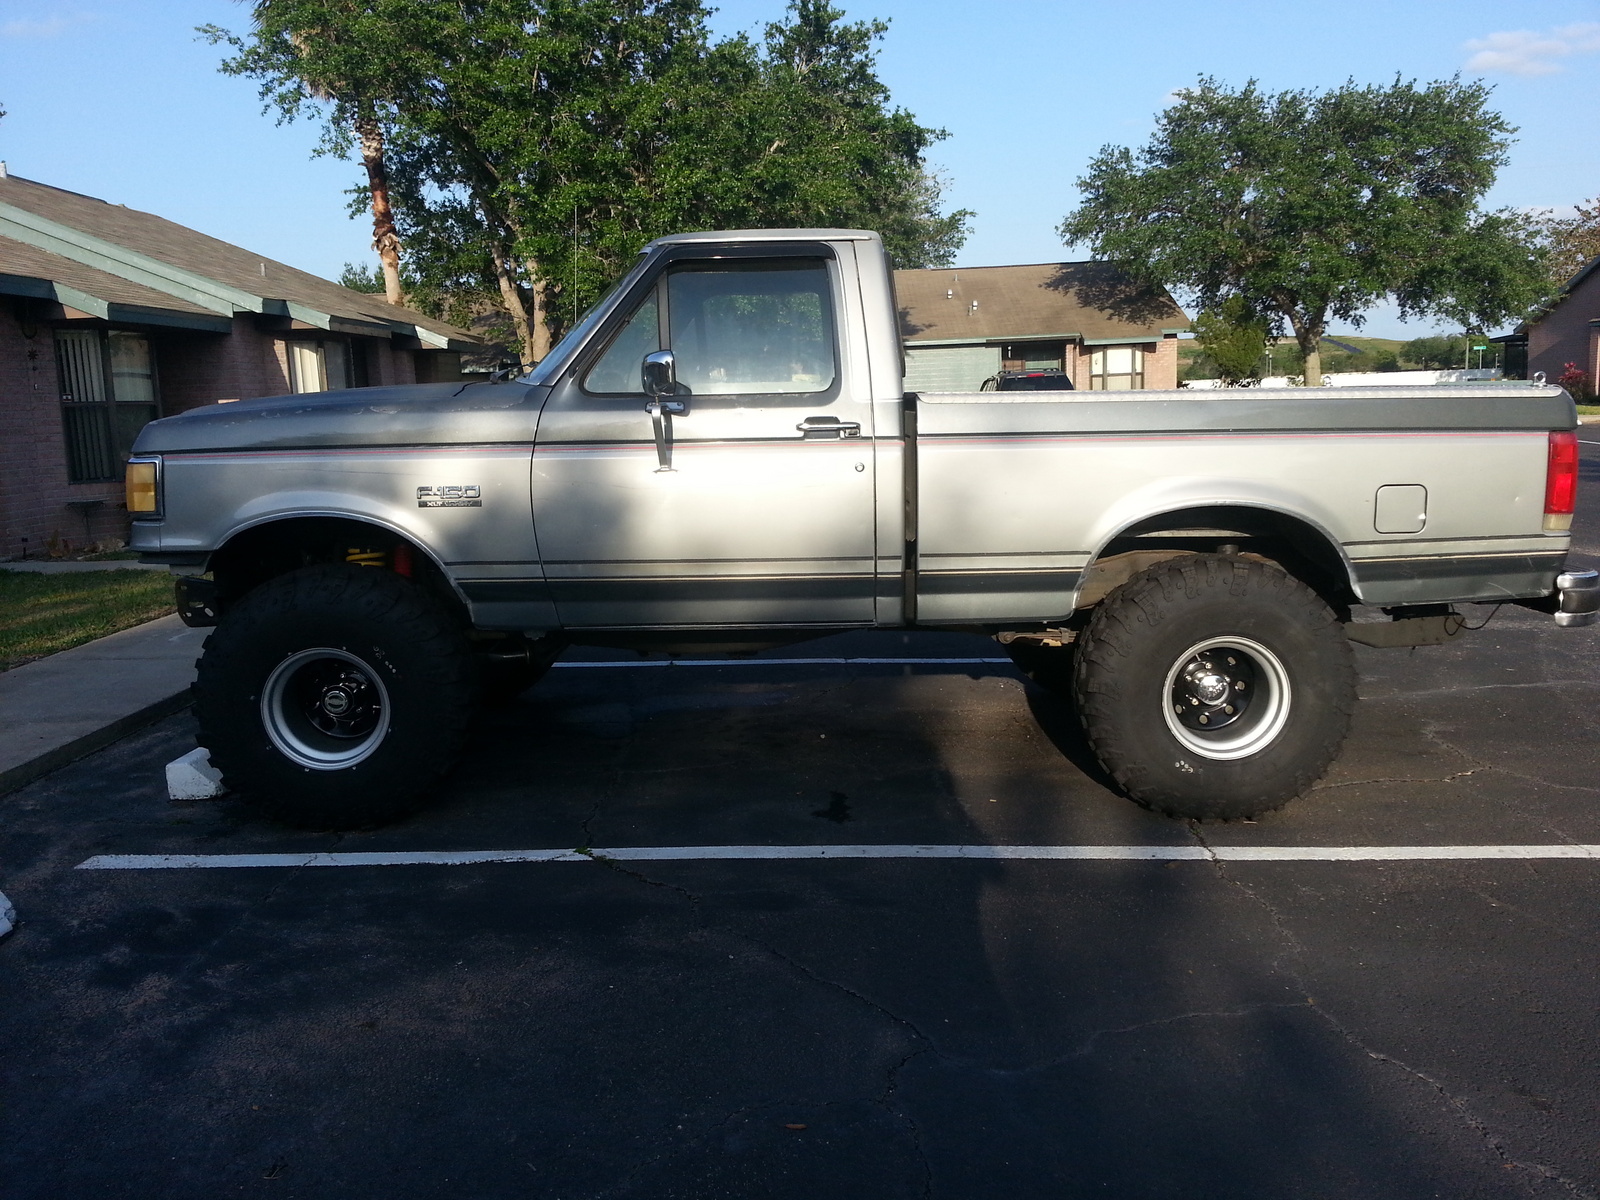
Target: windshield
{"type": "Point", "coordinates": [547, 367]}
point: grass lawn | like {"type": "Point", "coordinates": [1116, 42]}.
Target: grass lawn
{"type": "Point", "coordinates": [1588, 410]}
{"type": "Point", "coordinates": [40, 614]}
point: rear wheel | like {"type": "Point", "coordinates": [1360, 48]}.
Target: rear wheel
{"type": "Point", "coordinates": [335, 697]}
{"type": "Point", "coordinates": [1214, 687]}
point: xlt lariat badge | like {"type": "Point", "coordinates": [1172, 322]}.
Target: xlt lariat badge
{"type": "Point", "coordinates": [453, 495]}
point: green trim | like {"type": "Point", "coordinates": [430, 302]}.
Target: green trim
{"type": "Point", "coordinates": [992, 341]}
{"type": "Point", "coordinates": [75, 245]}
{"type": "Point", "coordinates": [109, 310]}
{"type": "Point", "coordinates": [138, 314]}
{"type": "Point", "coordinates": [364, 328]}
{"type": "Point", "coordinates": [1125, 340]}
{"type": "Point", "coordinates": [79, 247]}
{"type": "Point", "coordinates": [27, 285]}
{"type": "Point", "coordinates": [82, 301]}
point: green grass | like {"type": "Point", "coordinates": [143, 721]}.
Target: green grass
{"type": "Point", "coordinates": [1588, 410]}
{"type": "Point", "coordinates": [41, 614]}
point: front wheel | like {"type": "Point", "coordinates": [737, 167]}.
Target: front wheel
{"type": "Point", "coordinates": [335, 697]}
{"type": "Point", "coordinates": [1214, 687]}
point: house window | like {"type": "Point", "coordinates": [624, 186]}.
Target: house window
{"type": "Point", "coordinates": [1034, 356]}
{"type": "Point", "coordinates": [108, 394]}
{"type": "Point", "coordinates": [319, 366]}
{"type": "Point", "coordinates": [1116, 369]}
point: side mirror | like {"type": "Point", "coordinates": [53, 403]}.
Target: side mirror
{"type": "Point", "coordinates": [660, 374]}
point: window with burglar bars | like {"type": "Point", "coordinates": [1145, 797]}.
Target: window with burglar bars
{"type": "Point", "coordinates": [108, 394]}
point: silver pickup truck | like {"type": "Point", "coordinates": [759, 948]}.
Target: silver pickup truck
{"type": "Point", "coordinates": [722, 454]}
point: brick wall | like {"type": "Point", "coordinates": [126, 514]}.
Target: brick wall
{"type": "Point", "coordinates": [34, 492]}
{"type": "Point", "coordinates": [1564, 335]}
{"type": "Point", "coordinates": [202, 368]}
{"type": "Point", "coordinates": [1160, 363]}
{"type": "Point", "coordinates": [192, 369]}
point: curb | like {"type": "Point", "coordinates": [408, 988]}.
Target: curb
{"type": "Point", "coordinates": [80, 747]}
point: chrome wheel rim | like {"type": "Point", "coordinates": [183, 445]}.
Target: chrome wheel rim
{"type": "Point", "coordinates": [1226, 698]}
{"type": "Point", "coordinates": [325, 709]}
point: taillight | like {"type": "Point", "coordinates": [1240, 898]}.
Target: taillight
{"type": "Point", "coordinates": [1561, 480]}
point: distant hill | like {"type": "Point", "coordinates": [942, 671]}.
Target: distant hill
{"type": "Point", "coordinates": [1187, 349]}
{"type": "Point", "coordinates": [1340, 352]}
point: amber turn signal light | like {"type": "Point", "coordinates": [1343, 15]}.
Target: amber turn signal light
{"type": "Point", "coordinates": [142, 484]}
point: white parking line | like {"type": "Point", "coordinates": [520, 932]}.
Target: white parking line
{"type": "Point", "coordinates": [783, 662]}
{"type": "Point", "coordinates": [456, 858]}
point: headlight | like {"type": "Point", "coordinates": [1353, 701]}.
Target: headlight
{"type": "Point", "coordinates": [143, 487]}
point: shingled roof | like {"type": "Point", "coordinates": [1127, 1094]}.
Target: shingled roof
{"type": "Point", "coordinates": [122, 264]}
{"type": "Point", "coordinates": [1090, 301]}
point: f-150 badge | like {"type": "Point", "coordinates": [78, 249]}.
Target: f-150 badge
{"type": "Point", "coordinates": [452, 495]}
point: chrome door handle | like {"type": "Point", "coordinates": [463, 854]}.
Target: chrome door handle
{"type": "Point", "coordinates": [820, 428]}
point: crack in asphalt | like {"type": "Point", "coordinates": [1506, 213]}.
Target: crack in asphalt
{"type": "Point", "coordinates": [1349, 783]}
{"type": "Point", "coordinates": [1460, 1107]}
{"type": "Point", "coordinates": [1458, 689]}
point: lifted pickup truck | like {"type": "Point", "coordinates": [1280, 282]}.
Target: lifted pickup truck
{"type": "Point", "coordinates": [722, 453]}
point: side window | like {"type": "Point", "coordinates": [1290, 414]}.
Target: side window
{"type": "Point", "coordinates": [319, 366]}
{"type": "Point", "coordinates": [618, 370]}
{"type": "Point", "coordinates": [108, 394]}
{"type": "Point", "coordinates": [763, 328]}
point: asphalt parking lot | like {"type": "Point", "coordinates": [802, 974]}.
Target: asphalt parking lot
{"type": "Point", "coordinates": [1184, 1025]}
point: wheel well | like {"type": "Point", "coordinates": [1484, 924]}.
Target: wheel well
{"type": "Point", "coordinates": [253, 556]}
{"type": "Point", "coordinates": [1295, 545]}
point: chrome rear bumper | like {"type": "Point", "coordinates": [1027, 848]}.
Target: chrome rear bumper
{"type": "Point", "coordinates": [1577, 598]}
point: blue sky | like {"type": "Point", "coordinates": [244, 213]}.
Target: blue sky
{"type": "Point", "coordinates": [119, 99]}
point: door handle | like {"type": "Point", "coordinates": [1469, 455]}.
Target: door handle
{"type": "Point", "coordinates": [817, 429]}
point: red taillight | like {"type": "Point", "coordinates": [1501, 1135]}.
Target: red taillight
{"type": "Point", "coordinates": [1561, 480]}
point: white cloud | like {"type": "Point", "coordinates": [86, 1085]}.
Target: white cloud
{"type": "Point", "coordinates": [1529, 53]}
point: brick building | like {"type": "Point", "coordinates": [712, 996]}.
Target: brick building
{"type": "Point", "coordinates": [111, 317]}
{"type": "Point", "coordinates": [1569, 330]}
{"type": "Point", "coordinates": [1085, 318]}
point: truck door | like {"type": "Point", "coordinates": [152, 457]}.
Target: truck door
{"type": "Point", "coordinates": [743, 497]}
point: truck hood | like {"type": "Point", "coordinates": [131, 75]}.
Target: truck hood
{"type": "Point", "coordinates": [412, 415]}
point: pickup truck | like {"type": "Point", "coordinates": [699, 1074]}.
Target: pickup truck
{"type": "Point", "coordinates": [722, 453]}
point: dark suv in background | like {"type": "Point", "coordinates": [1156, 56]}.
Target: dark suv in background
{"type": "Point", "coordinates": [1048, 379]}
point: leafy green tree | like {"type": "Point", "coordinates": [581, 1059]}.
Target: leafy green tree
{"type": "Point", "coordinates": [360, 278]}
{"type": "Point", "coordinates": [1233, 340]}
{"type": "Point", "coordinates": [343, 57]}
{"type": "Point", "coordinates": [1436, 352]}
{"type": "Point", "coordinates": [1572, 241]}
{"type": "Point", "coordinates": [1314, 206]}
{"type": "Point", "coordinates": [532, 147]}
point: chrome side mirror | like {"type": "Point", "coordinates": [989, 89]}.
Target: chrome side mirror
{"type": "Point", "coordinates": [660, 374]}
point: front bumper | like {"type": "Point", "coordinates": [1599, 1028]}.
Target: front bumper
{"type": "Point", "coordinates": [1577, 598]}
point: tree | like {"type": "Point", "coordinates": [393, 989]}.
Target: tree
{"type": "Point", "coordinates": [1572, 241]}
{"type": "Point", "coordinates": [1312, 207]}
{"type": "Point", "coordinates": [1234, 340]}
{"type": "Point", "coordinates": [1438, 352]}
{"type": "Point", "coordinates": [342, 54]}
{"type": "Point", "coordinates": [362, 279]}
{"type": "Point", "coordinates": [532, 147]}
